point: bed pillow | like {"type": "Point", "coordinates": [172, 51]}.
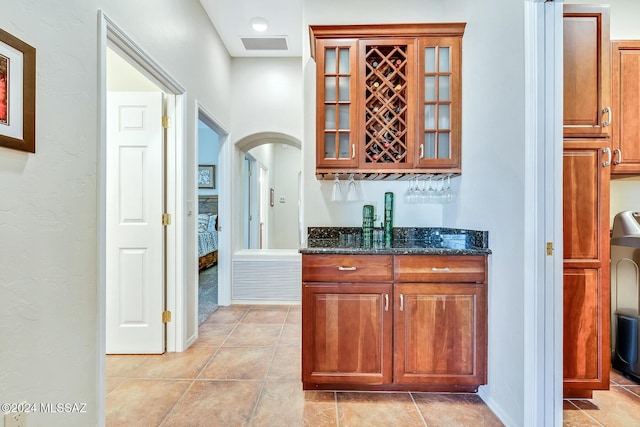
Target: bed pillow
{"type": "Point", "coordinates": [212, 223]}
{"type": "Point", "coordinates": [203, 222]}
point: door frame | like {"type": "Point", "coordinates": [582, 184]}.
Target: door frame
{"type": "Point", "coordinates": [110, 34]}
{"type": "Point", "coordinates": [225, 219]}
{"type": "Point", "coordinates": [543, 281]}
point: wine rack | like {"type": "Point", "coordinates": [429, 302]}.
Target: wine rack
{"type": "Point", "coordinates": [385, 103]}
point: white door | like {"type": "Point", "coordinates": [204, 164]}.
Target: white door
{"type": "Point", "coordinates": [135, 234]}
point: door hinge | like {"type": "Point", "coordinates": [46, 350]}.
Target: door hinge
{"type": "Point", "coordinates": [549, 248]}
{"type": "Point", "coordinates": [166, 219]}
{"type": "Point", "coordinates": [165, 122]}
{"type": "Point", "coordinates": [166, 316]}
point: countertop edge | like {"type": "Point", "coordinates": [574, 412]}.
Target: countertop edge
{"type": "Point", "coordinates": [396, 251]}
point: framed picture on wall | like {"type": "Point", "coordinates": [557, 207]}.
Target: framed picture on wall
{"type": "Point", "coordinates": [206, 176]}
{"type": "Point", "coordinates": [17, 94]}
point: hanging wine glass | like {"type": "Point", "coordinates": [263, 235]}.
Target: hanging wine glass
{"type": "Point", "coordinates": [352, 190]}
{"type": "Point", "coordinates": [430, 191]}
{"type": "Point", "coordinates": [450, 194]}
{"type": "Point", "coordinates": [336, 194]}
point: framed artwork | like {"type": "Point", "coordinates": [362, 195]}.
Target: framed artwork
{"type": "Point", "coordinates": [206, 176]}
{"type": "Point", "coordinates": [17, 94]}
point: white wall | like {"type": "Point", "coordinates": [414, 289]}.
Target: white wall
{"type": "Point", "coordinates": [267, 98]}
{"type": "Point", "coordinates": [264, 156]}
{"type": "Point", "coordinates": [122, 76]}
{"type": "Point", "coordinates": [492, 183]}
{"type": "Point", "coordinates": [491, 193]}
{"type": "Point", "coordinates": [287, 165]}
{"type": "Point", "coordinates": [48, 260]}
{"type": "Point", "coordinates": [48, 272]}
{"type": "Point", "coordinates": [208, 152]}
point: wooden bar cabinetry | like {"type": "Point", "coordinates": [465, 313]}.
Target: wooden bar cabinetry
{"type": "Point", "coordinates": [388, 98]}
{"type": "Point", "coordinates": [394, 322]}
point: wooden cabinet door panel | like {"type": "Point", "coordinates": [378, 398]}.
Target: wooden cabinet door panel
{"type": "Point", "coordinates": [582, 324]}
{"type": "Point", "coordinates": [438, 142]}
{"type": "Point", "coordinates": [336, 126]}
{"type": "Point", "coordinates": [626, 103]}
{"type": "Point", "coordinates": [586, 267]}
{"type": "Point", "coordinates": [440, 334]}
{"type": "Point", "coordinates": [586, 70]}
{"type": "Point", "coordinates": [583, 177]}
{"type": "Point", "coordinates": [347, 333]}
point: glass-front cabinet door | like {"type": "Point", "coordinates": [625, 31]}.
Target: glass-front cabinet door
{"type": "Point", "coordinates": [439, 103]}
{"type": "Point", "coordinates": [336, 71]}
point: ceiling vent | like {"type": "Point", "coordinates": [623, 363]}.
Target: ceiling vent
{"type": "Point", "coordinates": [265, 43]}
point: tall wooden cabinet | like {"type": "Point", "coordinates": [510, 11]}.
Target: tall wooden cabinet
{"type": "Point", "coordinates": [586, 170]}
{"type": "Point", "coordinates": [626, 102]}
{"type": "Point", "coordinates": [586, 358]}
{"type": "Point", "coordinates": [388, 98]}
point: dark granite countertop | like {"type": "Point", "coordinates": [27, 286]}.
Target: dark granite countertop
{"type": "Point", "coordinates": [406, 240]}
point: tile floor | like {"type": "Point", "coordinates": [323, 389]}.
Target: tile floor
{"type": "Point", "coordinates": [207, 292]}
{"type": "Point", "coordinates": [244, 370]}
{"type": "Point", "coordinates": [617, 407]}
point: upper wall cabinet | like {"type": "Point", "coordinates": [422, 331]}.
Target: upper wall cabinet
{"type": "Point", "coordinates": [587, 103]}
{"type": "Point", "coordinates": [626, 102]}
{"type": "Point", "coordinates": [388, 99]}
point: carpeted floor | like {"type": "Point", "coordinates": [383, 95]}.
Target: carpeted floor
{"type": "Point", "coordinates": [207, 293]}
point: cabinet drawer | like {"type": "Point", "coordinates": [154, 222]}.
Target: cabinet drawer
{"type": "Point", "coordinates": [346, 268]}
{"type": "Point", "coordinates": [439, 268]}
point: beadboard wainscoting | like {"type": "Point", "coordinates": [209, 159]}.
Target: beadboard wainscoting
{"type": "Point", "coordinates": [266, 276]}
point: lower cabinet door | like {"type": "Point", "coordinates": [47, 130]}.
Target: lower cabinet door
{"type": "Point", "coordinates": [440, 334]}
{"type": "Point", "coordinates": [347, 333]}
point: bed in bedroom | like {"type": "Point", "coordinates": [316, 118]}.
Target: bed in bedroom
{"type": "Point", "coordinates": [207, 231]}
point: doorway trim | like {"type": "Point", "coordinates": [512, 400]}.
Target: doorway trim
{"type": "Point", "coordinates": [224, 209]}
{"type": "Point", "coordinates": [543, 295]}
{"type": "Point", "coordinates": [110, 34]}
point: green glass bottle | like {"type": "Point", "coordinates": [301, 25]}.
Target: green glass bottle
{"type": "Point", "coordinates": [388, 219]}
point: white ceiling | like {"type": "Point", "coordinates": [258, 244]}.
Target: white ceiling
{"type": "Point", "coordinates": [231, 18]}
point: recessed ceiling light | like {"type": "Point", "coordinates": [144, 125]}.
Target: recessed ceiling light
{"type": "Point", "coordinates": [259, 24]}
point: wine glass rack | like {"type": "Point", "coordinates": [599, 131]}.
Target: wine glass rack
{"type": "Point", "coordinates": [386, 105]}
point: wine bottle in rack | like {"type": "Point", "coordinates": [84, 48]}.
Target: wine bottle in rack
{"type": "Point", "coordinates": [375, 151]}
